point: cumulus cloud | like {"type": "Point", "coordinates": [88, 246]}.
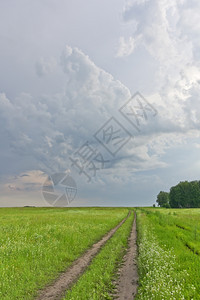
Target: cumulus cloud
{"type": "Point", "coordinates": [160, 32]}
{"type": "Point", "coordinates": [40, 133]}
{"type": "Point", "coordinates": [169, 32]}
{"type": "Point", "coordinates": [43, 131]}
{"type": "Point", "coordinates": [126, 46]}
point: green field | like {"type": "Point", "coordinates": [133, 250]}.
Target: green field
{"type": "Point", "coordinates": [38, 243]}
{"type": "Point", "coordinates": [169, 248]}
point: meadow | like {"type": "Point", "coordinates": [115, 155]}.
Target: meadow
{"type": "Point", "coordinates": [169, 249]}
{"type": "Point", "coordinates": [38, 243]}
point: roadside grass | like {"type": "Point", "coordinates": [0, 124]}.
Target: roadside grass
{"type": "Point", "coordinates": [38, 243]}
{"type": "Point", "coordinates": [168, 269]}
{"type": "Point", "coordinates": [97, 281]}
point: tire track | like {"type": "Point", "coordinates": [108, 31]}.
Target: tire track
{"type": "Point", "coordinates": [58, 288]}
{"type": "Point", "coordinates": [127, 283]}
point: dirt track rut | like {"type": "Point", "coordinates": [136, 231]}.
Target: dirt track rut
{"type": "Point", "coordinates": [127, 283]}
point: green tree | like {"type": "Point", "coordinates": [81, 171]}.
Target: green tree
{"type": "Point", "coordinates": [185, 194]}
{"type": "Point", "coordinates": [163, 199]}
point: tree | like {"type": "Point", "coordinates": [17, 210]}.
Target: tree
{"type": "Point", "coordinates": [185, 194]}
{"type": "Point", "coordinates": [163, 199]}
{"type": "Point", "coordinates": [175, 197]}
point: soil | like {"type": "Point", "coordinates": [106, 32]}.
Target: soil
{"type": "Point", "coordinates": [127, 283]}
{"type": "Point", "coordinates": [59, 287]}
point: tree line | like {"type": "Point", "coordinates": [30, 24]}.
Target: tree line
{"type": "Point", "coordinates": [183, 195]}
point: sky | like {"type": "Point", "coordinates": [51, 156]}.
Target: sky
{"type": "Point", "coordinates": [104, 92]}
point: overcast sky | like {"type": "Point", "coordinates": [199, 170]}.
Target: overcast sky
{"type": "Point", "coordinates": [68, 70]}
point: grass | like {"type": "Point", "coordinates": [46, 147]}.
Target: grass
{"type": "Point", "coordinates": [96, 282]}
{"type": "Point", "coordinates": [169, 262]}
{"type": "Point", "coordinates": [38, 243]}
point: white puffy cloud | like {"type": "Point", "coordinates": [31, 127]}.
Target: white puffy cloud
{"type": "Point", "coordinates": [159, 30]}
{"type": "Point", "coordinates": [169, 31]}
{"type": "Point", "coordinates": [126, 46]}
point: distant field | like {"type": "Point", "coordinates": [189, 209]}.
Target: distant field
{"type": "Point", "coordinates": [169, 253]}
{"type": "Point", "coordinates": [38, 243]}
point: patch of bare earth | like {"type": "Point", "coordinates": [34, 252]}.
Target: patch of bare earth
{"type": "Point", "coordinates": [59, 287]}
{"type": "Point", "coordinates": [127, 284]}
